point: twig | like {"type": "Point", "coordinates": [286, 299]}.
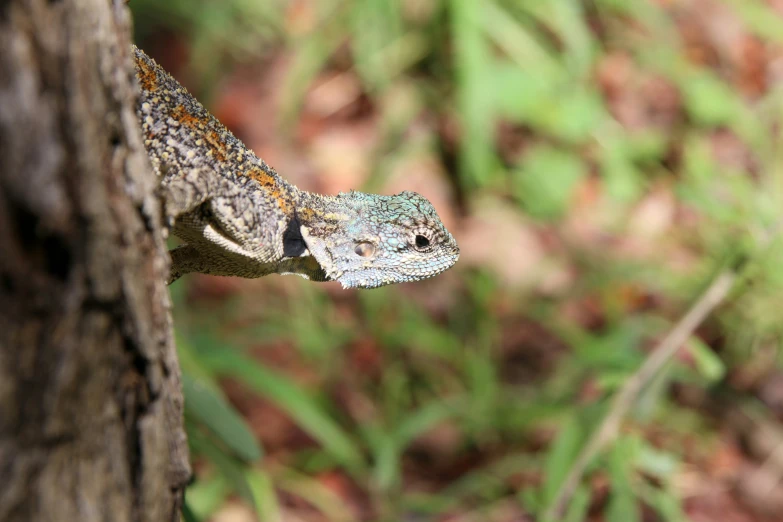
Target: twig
{"type": "Point", "coordinates": [626, 396]}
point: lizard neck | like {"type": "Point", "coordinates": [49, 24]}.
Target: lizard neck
{"type": "Point", "coordinates": [319, 212]}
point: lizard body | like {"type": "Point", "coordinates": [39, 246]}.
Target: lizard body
{"type": "Point", "coordinates": [238, 217]}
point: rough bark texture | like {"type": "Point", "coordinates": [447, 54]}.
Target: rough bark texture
{"type": "Point", "coordinates": [90, 402]}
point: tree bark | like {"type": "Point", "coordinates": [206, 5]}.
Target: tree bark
{"type": "Point", "coordinates": [90, 401]}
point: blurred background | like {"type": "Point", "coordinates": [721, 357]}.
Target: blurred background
{"type": "Point", "coordinates": [598, 161]}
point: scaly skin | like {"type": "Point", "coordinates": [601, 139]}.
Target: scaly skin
{"type": "Point", "coordinates": [237, 217]}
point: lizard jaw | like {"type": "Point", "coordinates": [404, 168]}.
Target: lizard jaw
{"type": "Point", "coordinates": [318, 250]}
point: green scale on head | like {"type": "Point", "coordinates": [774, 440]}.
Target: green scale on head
{"type": "Point", "coordinates": [379, 240]}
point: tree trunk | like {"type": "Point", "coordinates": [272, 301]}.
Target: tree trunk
{"type": "Point", "coordinates": [90, 402]}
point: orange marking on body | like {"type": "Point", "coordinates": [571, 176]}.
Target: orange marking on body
{"type": "Point", "coordinates": [272, 187]}
{"type": "Point", "coordinates": [201, 126]}
{"type": "Point", "coordinates": [213, 139]}
{"type": "Point", "coordinates": [146, 75]}
{"type": "Point", "coordinates": [307, 214]}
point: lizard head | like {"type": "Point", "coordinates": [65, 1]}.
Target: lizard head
{"type": "Point", "coordinates": [366, 241]}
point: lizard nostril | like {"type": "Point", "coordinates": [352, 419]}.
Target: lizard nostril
{"type": "Point", "coordinates": [365, 249]}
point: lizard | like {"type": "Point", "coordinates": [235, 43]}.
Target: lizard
{"type": "Point", "coordinates": [238, 217]}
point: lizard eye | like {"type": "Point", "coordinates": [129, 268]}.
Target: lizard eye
{"type": "Point", "coordinates": [364, 249]}
{"type": "Point", "coordinates": [422, 241]}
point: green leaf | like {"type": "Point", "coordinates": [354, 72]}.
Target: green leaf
{"type": "Point", "coordinates": [472, 61]}
{"type": "Point", "coordinates": [311, 52]}
{"type": "Point", "coordinates": [187, 513]}
{"type": "Point", "coordinates": [290, 397]}
{"type": "Point", "coordinates": [658, 463]}
{"type": "Point", "coordinates": [546, 180]}
{"type": "Point", "coordinates": [562, 110]}
{"type": "Point", "coordinates": [484, 385]}
{"type": "Point", "coordinates": [521, 45]}
{"type": "Point", "coordinates": [578, 506]}
{"type": "Point", "coordinates": [560, 458]}
{"type": "Point", "coordinates": [707, 362]}
{"type": "Point", "coordinates": [387, 455]}
{"type": "Point", "coordinates": [663, 500]}
{"type": "Point", "coordinates": [698, 162]}
{"type": "Point", "coordinates": [623, 180]}
{"type": "Point", "coordinates": [264, 495]}
{"type": "Point", "coordinates": [205, 495]}
{"type": "Point", "coordinates": [389, 446]}
{"type": "Point", "coordinates": [208, 407]}
{"type": "Point", "coordinates": [369, 46]}
{"type": "Point", "coordinates": [519, 94]}
{"type": "Point", "coordinates": [623, 506]}
{"type": "Point", "coordinates": [761, 18]}
{"type": "Point", "coordinates": [425, 418]}
{"type": "Point", "coordinates": [225, 463]}
{"type": "Point", "coordinates": [708, 100]}
{"type": "Point", "coordinates": [317, 494]}
{"type": "Point", "coordinates": [575, 115]}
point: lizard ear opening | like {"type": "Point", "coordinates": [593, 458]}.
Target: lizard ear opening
{"type": "Point", "coordinates": [364, 249]}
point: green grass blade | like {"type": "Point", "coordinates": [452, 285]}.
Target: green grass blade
{"type": "Point", "coordinates": [473, 60]}
{"type": "Point", "coordinates": [560, 458]}
{"type": "Point", "coordinates": [229, 467]}
{"type": "Point", "coordinates": [267, 507]}
{"type": "Point", "coordinates": [209, 408]}
{"type": "Point", "coordinates": [206, 494]}
{"type": "Point", "coordinates": [577, 508]}
{"type": "Point", "coordinates": [187, 513]}
{"type": "Point", "coordinates": [292, 399]}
